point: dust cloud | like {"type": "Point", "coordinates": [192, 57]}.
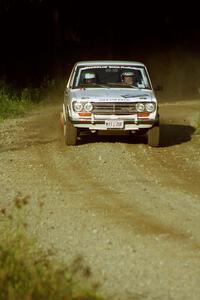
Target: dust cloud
{"type": "Point", "coordinates": [177, 73]}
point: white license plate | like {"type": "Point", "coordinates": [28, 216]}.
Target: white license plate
{"type": "Point", "coordinates": [114, 123]}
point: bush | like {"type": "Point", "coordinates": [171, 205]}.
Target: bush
{"type": "Point", "coordinates": [29, 273]}
{"type": "Point", "coordinates": [17, 101]}
{"type": "Point", "coordinates": [13, 102]}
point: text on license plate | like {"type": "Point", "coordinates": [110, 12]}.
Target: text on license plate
{"type": "Point", "coordinates": [114, 123]}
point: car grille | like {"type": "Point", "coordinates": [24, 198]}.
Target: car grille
{"type": "Point", "coordinates": [102, 108]}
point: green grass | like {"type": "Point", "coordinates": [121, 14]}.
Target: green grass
{"type": "Point", "coordinates": [12, 105]}
{"type": "Point", "coordinates": [28, 273]}
{"type": "Point", "coordinates": [16, 102]}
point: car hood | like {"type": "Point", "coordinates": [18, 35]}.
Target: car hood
{"type": "Point", "coordinates": [113, 95]}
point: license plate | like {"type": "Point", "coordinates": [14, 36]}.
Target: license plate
{"type": "Point", "coordinates": [114, 123]}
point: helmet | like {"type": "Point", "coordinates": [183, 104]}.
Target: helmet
{"type": "Point", "coordinates": [89, 76]}
{"type": "Point", "coordinates": [128, 74]}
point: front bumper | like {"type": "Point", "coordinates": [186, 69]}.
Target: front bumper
{"type": "Point", "coordinates": [128, 124]}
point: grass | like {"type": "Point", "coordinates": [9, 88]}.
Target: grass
{"type": "Point", "coordinates": [12, 105]}
{"type": "Point", "coordinates": [16, 102]}
{"type": "Point", "coordinates": [27, 273]}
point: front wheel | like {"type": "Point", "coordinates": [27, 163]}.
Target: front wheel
{"type": "Point", "coordinates": [153, 136]}
{"type": "Point", "coordinates": [70, 133]}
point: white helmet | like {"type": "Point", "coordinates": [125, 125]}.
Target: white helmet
{"type": "Point", "coordinates": [89, 76]}
{"type": "Point", "coordinates": [129, 73]}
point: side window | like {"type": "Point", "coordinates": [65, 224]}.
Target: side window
{"type": "Point", "coordinates": [75, 78]}
{"type": "Point", "coordinates": [145, 80]}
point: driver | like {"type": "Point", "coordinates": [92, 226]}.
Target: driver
{"type": "Point", "coordinates": [128, 78]}
{"type": "Point", "coordinates": [89, 78]}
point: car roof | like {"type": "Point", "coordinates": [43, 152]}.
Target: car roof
{"type": "Point", "coordinates": [108, 62]}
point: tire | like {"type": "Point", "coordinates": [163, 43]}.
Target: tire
{"type": "Point", "coordinates": [153, 136]}
{"type": "Point", "coordinates": [70, 133]}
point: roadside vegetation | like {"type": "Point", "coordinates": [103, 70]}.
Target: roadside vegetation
{"type": "Point", "coordinates": [198, 126]}
{"type": "Point", "coordinates": [26, 272]}
{"type": "Point", "coordinates": [16, 101]}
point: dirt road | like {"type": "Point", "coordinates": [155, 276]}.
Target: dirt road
{"type": "Point", "coordinates": [132, 211]}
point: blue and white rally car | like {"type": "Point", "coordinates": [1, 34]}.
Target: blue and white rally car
{"type": "Point", "coordinates": [110, 95]}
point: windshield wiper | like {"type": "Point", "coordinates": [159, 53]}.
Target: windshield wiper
{"type": "Point", "coordinates": [90, 85]}
{"type": "Point", "coordinates": [121, 84]}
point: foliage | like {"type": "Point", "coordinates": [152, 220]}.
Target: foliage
{"type": "Point", "coordinates": [27, 273]}
{"type": "Point", "coordinates": [16, 101]}
{"type": "Point", "coordinates": [11, 102]}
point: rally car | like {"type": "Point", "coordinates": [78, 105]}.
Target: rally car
{"type": "Point", "coordinates": [108, 95]}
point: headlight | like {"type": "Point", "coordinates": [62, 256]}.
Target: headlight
{"type": "Point", "coordinates": [150, 107]}
{"type": "Point", "coordinates": [140, 107]}
{"type": "Point", "coordinates": [78, 106]}
{"type": "Point", "coordinates": [88, 107]}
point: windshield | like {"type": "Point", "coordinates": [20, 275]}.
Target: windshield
{"type": "Point", "coordinates": [111, 76]}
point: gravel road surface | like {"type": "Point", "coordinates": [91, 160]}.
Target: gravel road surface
{"type": "Point", "coordinates": [132, 211]}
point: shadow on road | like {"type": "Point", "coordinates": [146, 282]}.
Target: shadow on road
{"type": "Point", "coordinates": [173, 134]}
{"type": "Point", "coordinates": [109, 138]}
{"type": "Point", "coordinates": [170, 134]}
